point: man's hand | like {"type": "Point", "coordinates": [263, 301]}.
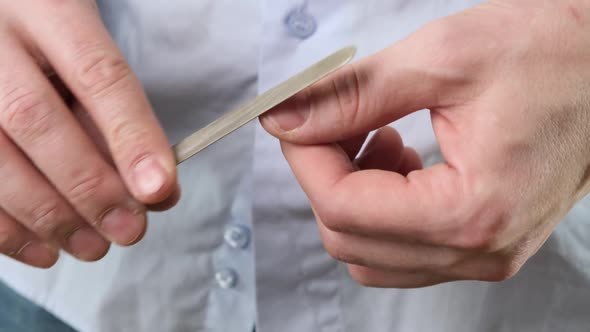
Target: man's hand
{"type": "Point", "coordinates": [73, 174]}
{"type": "Point", "coordinates": [508, 86]}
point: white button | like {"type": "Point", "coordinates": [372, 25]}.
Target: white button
{"type": "Point", "coordinates": [237, 236]}
{"type": "Point", "coordinates": [300, 23]}
{"type": "Point", "coordinates": [226, 278]}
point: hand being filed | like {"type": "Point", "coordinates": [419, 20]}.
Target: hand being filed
{"type": "Point", "coordinates": [508, 87]}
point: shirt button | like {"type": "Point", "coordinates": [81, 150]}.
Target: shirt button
{"type": "Point", "coordinates": [226, 278]}
{"type": "Point", "coordinates": [237, 237]}
{"type": "Point", "coordinates": [300, 23]}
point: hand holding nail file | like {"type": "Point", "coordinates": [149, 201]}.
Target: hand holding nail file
{"type": "Point", "coordinates": [233, 120]}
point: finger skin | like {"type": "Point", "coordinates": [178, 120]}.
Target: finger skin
{"type": "Point", "coordinates": [393, 255]}
{"type": "Point", "coordinates": [96, 72]}
{"type": "Point", "coordinates": [352, 146]}
{"type": "Point", "coordinates": [43, 210]}
{"type": "Point", "coordinates": [511, 120]}
{"type": "Point", "coordinates": [410, 161]}
{"type": "Point", "coordinates": [168, 203]}
{"type": "Point", "coordinates": [384, 151]}
{"type": "Point", "coordinates": [398, 256]}
{"type": "Point", "coordinates": [375, 202]}
{"type": "Point", "coordinates": [35, 118]}
{"type": "Point", "coordinates": [382, 279]}
{"type": "Point", "coordinates": [90, 127]}
{"type": "Point", "coordinates": [20, 244]}
{"type": "Point", "coordinates": [356, 99]}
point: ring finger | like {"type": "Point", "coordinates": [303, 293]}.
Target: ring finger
{"type": "Point", "coordinates": [43, 210]}
{"type": "Point", "coordinates": [19, 243]}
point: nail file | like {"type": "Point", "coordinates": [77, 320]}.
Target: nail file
{"type": "Point", "coordinates": [235, 119]}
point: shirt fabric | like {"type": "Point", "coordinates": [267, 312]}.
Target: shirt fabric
{"type": "Point", "coordinates": [199, 59]}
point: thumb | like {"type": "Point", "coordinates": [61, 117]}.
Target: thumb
{"type": "Point", "coordinates": [356, 99]}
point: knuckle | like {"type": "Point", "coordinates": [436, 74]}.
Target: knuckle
{"type": "Point", "coordinates": [482, 230]}
{"type": "Point", "coordinates": [362, 277]}
{"type": "Point", "coordinates": [129, 136]}
{"type": "Point", "coordinates": [86, 185]}
{"type": "Point", "coordinates": [25, 113]}
{"type": "Point", "coordinates": [443, 261]}
{"type": "Point", "coordinates": [479, 218]}
{"type": "Point", "coordinates": [46, 219]}
{"type": "Point", "coordinates": [98, 70]}
{"type": "Point", "coordinates": [475, 239]}
{"type": "Point", "coordinates": [337, 250]}
{"type": "Point", "coordinates": [478, 238]}
{"type": "Point", "coordinates": [503, 270]}
{"type": "Point", "coordinates": [346, 89]}
{"type": "Point", "coordinates": [331, 217]}
{"type": "Point", "coordinates": [363, 280]}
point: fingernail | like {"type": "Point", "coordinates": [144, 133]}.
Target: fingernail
{"type": "Point", "coordinates": [123, 226]}
{"type": "Point", "coordinates": [290, 115]}
{"type": "Point", "coordinates": [86, 244]}
{"type": "Point", "coordinates": [150, 176]}
{"type": "Point", "coordinates": [38, 254]}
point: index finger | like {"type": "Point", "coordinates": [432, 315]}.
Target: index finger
{"type": "Point", "coordinates": [78, 46]}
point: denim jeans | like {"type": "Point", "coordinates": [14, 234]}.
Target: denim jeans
{"type": "Point", "coordinates": [18, 314]}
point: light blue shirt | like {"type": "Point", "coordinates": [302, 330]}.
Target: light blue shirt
{"type": "Point", "coordinates": [242, 248]}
